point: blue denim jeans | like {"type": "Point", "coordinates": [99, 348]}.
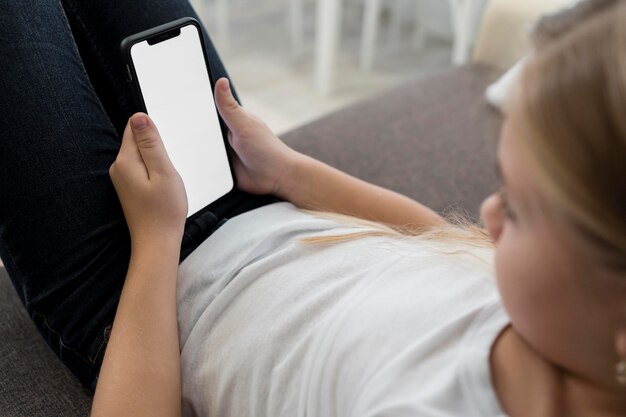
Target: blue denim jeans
{"type": "Point", "coordinates": [64, 103]}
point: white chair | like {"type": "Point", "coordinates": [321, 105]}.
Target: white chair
{"type": "Point", "coordinates": [328, 18]}
{"type": "Point", "coordinates": [371, 18]}
{"type": "Point", "coordinates": [220, 13]}
{"type": "Point", "coordinates": [464, 17]}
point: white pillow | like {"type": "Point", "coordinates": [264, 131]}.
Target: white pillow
{"type": "Point", "coordinates": [497, 92]}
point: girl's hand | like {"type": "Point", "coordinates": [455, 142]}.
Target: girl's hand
{"type": "Point", "coordinates": [151, 191]}
{"type": "Point", "coordinates": [263, 163]}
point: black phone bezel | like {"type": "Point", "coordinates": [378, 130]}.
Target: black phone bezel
{"type": "Point", "coordinates": [159, 34]}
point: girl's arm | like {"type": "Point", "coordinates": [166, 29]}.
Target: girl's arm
{"type": "Point", "coordinates": [317, 186]}
{"type": "Point", "coordinates": [265, 165]}
{"type": "Point", "coordinates": [140, 374]}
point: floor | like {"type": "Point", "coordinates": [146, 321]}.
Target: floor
{"type": "Point", "coordinates": [279, 89]}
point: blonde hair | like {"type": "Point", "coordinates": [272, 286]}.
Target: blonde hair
{"type": "Point", "coordinates": [458, 228]}
{"type": "Point", "coordinates": [573, 94]}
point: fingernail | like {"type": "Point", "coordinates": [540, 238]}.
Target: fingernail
{"type": "Point", "coordinates": [226, 85]}
{"type": "Point", "coordinates": [139, 122]}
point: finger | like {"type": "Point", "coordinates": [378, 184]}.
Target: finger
{"type": "Point", "coordinates": [229, 108]}
{"type": "Point", "coordinates": [149, 144]}
{"type": "Point", "coordinates": [128, 158]}
{"type": "Point", "coordinates": [129, 151]}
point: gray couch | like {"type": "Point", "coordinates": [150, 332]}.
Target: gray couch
{"type": "Point", "coordinates": [433, 140]}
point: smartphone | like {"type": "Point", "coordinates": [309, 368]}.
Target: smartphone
{"type": "Point", "coordinates": [172, 82]}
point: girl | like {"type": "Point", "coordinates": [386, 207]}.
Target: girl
{"type": "Point", "coordinates": [286, 311]}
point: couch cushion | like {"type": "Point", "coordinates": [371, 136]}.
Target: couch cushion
{"type": "Point", "coordinates": [433, 140]}
{"type": "Point", "coordinates": [34, 382]}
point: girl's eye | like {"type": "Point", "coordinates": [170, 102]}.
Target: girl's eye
{"type": "Point", "coordinates": [505, 206]}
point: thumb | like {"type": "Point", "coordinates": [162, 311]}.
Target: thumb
{"type": "Point", "coordinates": [229, 108]}
{"type": "Point", "coordinates": [149, 143]}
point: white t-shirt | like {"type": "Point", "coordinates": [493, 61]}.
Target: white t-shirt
{"type": "Point", "coordinates": [371, 327]}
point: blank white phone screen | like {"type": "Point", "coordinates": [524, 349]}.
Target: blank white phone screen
{"type": "Point", "coordinates": [176, 89]}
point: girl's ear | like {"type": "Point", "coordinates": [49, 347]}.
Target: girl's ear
{"type": "Point", "coordinates": [492, 216]}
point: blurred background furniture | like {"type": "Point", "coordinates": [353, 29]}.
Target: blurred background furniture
{"type": "Point", "coordinates": [503, 36]}
{"type": "Point", "coordinates": [328, 23]}
{"type": "Point", "coordinates": [220, 13]}
{"type": "Point", "coordinates": [371, 23]}
{"type": "Point", "coordinates": [464, 15]}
